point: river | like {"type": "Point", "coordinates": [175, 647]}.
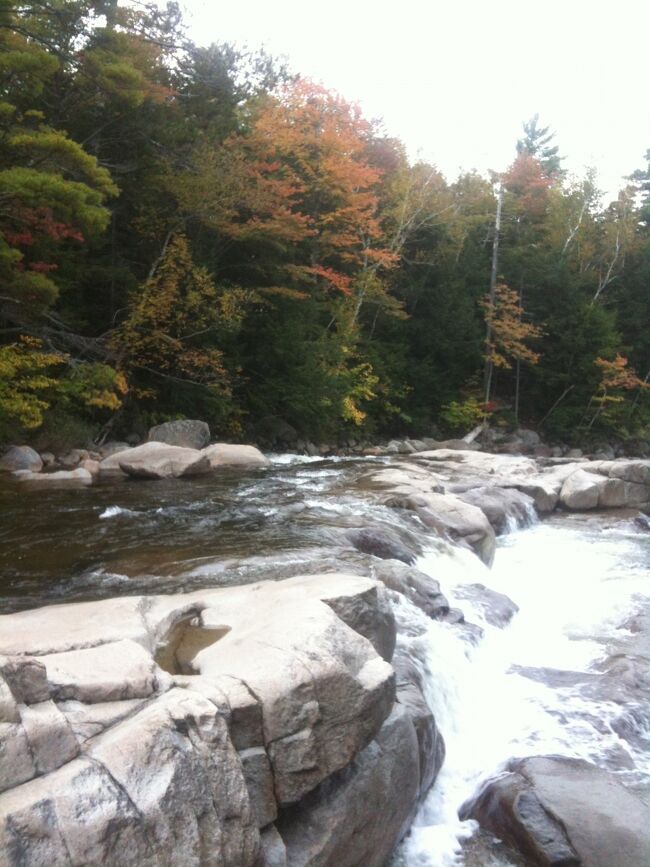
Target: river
{"type": "Point", "coordinates": [557, 679]}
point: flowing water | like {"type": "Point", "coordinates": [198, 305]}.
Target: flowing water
{"type": "Point", "coordinates": [557, 679]}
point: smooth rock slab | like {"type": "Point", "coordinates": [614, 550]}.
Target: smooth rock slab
{"type": "Point", "coordinates": [116, 671]}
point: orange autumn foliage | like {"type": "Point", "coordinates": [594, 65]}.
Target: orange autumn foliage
{"type": "Point", "coordinates": [507, 329]}
{"type": "Point", "coordinates": [308, 151]}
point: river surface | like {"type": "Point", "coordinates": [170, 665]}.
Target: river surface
{"type": "Point", "coordinates": [557, 679]}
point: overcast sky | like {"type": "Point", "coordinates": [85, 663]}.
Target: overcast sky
{"type": "Point", "coordinates": [455, 79]}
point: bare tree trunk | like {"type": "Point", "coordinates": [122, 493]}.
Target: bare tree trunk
{"type": "Point", "coordinates": [556, 404]}
{"type": "Point", "coordinates": [518, 365]}
{"type": "Point", "coordinates": [517, 382]}
{"type": "Point", "coordinates": [493, 292]}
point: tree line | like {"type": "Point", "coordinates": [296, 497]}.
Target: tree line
{"type": "Point", "coordinates": [195, 232]}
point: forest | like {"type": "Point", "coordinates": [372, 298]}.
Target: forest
{"type": "Point", "coordinates": [194, 232]}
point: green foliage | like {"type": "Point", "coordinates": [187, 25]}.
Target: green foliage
{"type": "Point", "coordinates": [461, 417]}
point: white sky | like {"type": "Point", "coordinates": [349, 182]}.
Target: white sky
{"type": "Point", "coordinates": [455, 79]}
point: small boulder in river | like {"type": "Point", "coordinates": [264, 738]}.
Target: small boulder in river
{"type": "Point", "coordinates": [230, 455]}
{"type": "Point", "coordinates": [423, 591]}
{"type": "Point", "coordinates": [187, 433]}
{"type": "Point", "coordinates": [497, 608]}
{"type": "Point", "coordinates": [21, 458]}
{"type": "Point", "coordinates": [381, 542]}
{"type": "Point", "coordinates": [564, 812]}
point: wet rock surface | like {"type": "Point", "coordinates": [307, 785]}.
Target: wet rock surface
{"type": "Point", "coordinates": [497, 608]}
{"type": "Point", "coordinates": [564, 812]}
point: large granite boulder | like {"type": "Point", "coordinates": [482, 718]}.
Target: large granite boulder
{"type": "Point", "coordinates": [21, 458]}
{"type": "Point", "coordinates": [564, 812]}
{"type": "Point", "coordinates": [155, 460]}
{"type": "Point", "coordinates": [187, 433]}
{"type": "Point", "coordinates": [230, 455]}
{"type": "Point", "coordinates": [173, 730]}
{"type": "Point", "coordinates": [581, 490]}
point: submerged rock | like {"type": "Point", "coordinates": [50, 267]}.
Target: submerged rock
{"type": "Point", "coordinates": [564, 812]}
{"type": "Point", "coordinates": [62, 478]}
{"type": "Point", "coordinates": [229, 455]}
{"type": "Point", "coordinates": [497, 608]}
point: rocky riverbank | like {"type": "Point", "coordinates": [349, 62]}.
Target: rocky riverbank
{"type": "Point", "coordinates": [265, 724]}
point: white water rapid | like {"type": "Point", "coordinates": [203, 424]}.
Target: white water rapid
{"type": "Point", "coordinates": [575, 582]}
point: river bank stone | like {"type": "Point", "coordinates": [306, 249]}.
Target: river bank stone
{"type": "Point", "coordinates": [564, 812]}
{"type": "Point", "coordinates": [20, 458]}
{"type": "Point", "coordinates": [187, 433]}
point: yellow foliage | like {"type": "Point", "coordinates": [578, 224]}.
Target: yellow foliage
{"type": "Point", "coordinates": [24, 382]}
